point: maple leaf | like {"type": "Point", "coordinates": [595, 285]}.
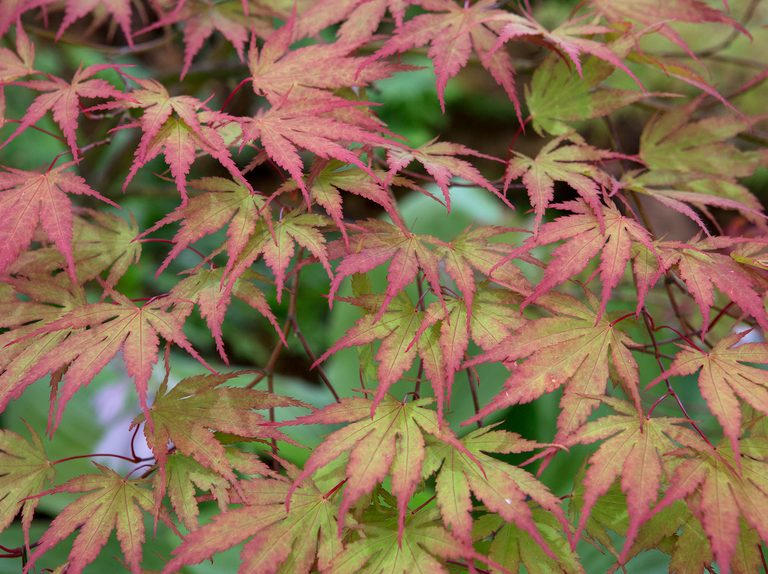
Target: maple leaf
{"type": "Point", "coordinates": [282, 540]}
{"type": "Point", "coordinates": [702, 269]}
{"type": "Point", "coordinates": [441, 162]}
{"type": "Point", "coordinates": [31, 303]}
{"type": "Point", "coordinates": [612, 235]}
{"type": "Point", "coordinates": [724, 377]}
{"type": "Point", "coordinates": [308, 71]}
{"type": "Point", "coordinates": [279, 246]}
{"type": "Point", "coordinates": [18, 64]}
{"type": "Point", "coordinates": [377, 242]}
{"type": "Point", "coordinates": [186, 414]}
{"type": "Point", "coordinates": [501, 487]}
{"type": "Point", "coordinates": [31, 197]}
{"type": "Point", "coordinates": [673, 142]}
{"type": "Point", "coordinates": [389, 440]}
{"type": "Point", "coordinates": [565, 39]}
{"type": "Point", "coordinates": [120, 10]}
{"type": "Point", "coordinates": [100, 242]}
{"type": "Point", "coordinates": [379, 551]}
{"type": "Point", "coordinates": [512, 546]}
{"type": "Point", "coordinates": [109, 502]}
{"type": "Point", "coordinates": [571, 349]}
{"type": "Point", "coordinates": [63, 100]}
{"type": "Point", "coordinates": [111, 327]}
{"type": "Point", "coordinates": [359, 18]}
{"type": "Point", "coordinates": [26, 471]}
{"type": "Point", "coordinates": [453, 32]}
{"type": "Point", "coordinates": [633, 448]}
{"type": "Point", "coordinates": [571, 163]}
{"type": "Point", "coordinates": [720, 495]}
{"type": "Point", "coordinates": [557, 96]}
{"type": "Point", "coordinates": [309, 123]}
{"type": "Point", "coordinates": [206, 288]}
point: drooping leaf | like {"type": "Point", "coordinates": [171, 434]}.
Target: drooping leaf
{"type": "Point", "coordinates": [24, 472]}
{"type": "Point", "coordinates": [285, 541]}
{"type": "Point", "coordinates": [724, 378]}
{"type": "Point", "coordinates": [62, 99]}
{"type": "Point", "coordinates": [109, 502]}
{"type": "Point", "coordinates": [29, 198]}
{"type": "Point", "coordinates": [501, 487]}
{"type": "Point", "coordinates": [120, 10]}
{"type": "Point", "coordinates": [571, 349]}
{"type": "Point", "coordinates": [111, 327]}
{"type": "Point", "coordinates": [387, 441]}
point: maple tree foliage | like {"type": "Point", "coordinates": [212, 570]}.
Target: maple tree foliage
{"type": "Point", "coordinates": [567, 371]}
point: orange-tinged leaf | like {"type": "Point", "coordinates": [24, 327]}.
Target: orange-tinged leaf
{"type": "Point", "coordinates": [108, 502]}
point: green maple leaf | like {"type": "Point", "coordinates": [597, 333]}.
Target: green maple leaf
{"type": "Point", "coordinates": [282, 541]}
{"type": "Point", "coordinates": [24, 472]}
{"type": "Point", "coordinates": [501, 487]}
{"type": "Point", "coordinates": [109, 502]}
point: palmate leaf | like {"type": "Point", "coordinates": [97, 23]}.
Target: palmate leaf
{"type": "Point", "coordinates": [453, 32]}
{"type": "Point", "coordinates": [206, 288]}
{"type": "Point", "coordinates": [387, 441]}
{"type": "Point", "coordinates": [501, 487]}
{"type": "Point", "coordinates": [109, 501]}
{"type": "Point", "coordinates": [111, 327]}
{"type": "Point", "coordinates": [724, 378]}
{"type": "Point", "coordinates": [634, 448]}
{"type": "Point", "coordinates": [24, 471]}
{"type": "Point", "coordinates": [359, 18]}
{"type": "Point", "coordinates": [28, 198]}
{"type": "Point", "coordinates": [62, 98]}
{"type": "Point", "coordinates": [722, 490]}
{"type": "Point", "coordinates": [512, 547]}
{"type": "Point", "coordinates": [74, 10]}
{"type": "Point", "coordinates": [100, 242]}
{"type": "Point", "coordinates": [612, 235]}
{"type": "Point", "coordinates": [282, 541]}
{"type": "Point", "coordinates": [187, 415]}
{"type": "Point", "coordinates": [573, 348]}
{"type": "Point", "coordinates": [426, 545]}
{"type": "Point", "coordinates": [560, 160]}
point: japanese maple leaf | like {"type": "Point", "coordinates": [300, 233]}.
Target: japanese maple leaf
{"type": "Point", "coordinates": [379, 551]}
{"type": "Point", "coordinates": [657, 14]}
{"type": "Point", "coordinates": [308, 71]}
{"type": "Point", "coordinates": [634, 448]}
{"type": "Point", "coordinates": [703, 268]}
{"type": "Point", "coordinates": [201, 18]}
{"type": "Point", "coordinates": [206, 288]}
{"type": "Point", "coordinates": [612, 236]}
{"type": "Point", "coordinates": [560, 160]}
{"type": "Point", "coordinates": [327, 181]}
{"type": "Point", "coordinates": [279, 246]}
{"type": "Point", "coordinates": [724, 378]}
{"type": "Point", "coordinates": [453, 32]}
{"type": "Point", "coordinates": [100, 242]}
{"type": "Point", "coordinates": [32, 303]}
{"type": "Point", "coordinates": [26, 471]}
{"type": "Point", "coordinates": [512, 546]}
{"type": "Point", "coordinates": [312, 124]}
{"type": "Point", "coordinates": [565, 39]}
{"type": "Point", "coordinates": [377, 242]}
{"type": "Point", "coordinates": [186, 415]}
{"type": "Point", "coordinates": [112, 327]}
{"type": "Point", "coordinates": [570, 349]}
{"type": "Point", "coordinates": [281, 539]}
{"type": "Point", "coordinates": [720, 495]}
{"type": "Point", "coordinates": [224, 203]}
{"type": "Point", "coordinates": [19, 63]}
{"type": "Point", "coordinates": [501, 487]}
{"type": "Point", "coordinates": [391, 441]}
{"type": "Point", "coordinates": [359, 18]}
{"type": "Point", "coordinates": [441, 162]}
{"type": "Point", "coordinates": [120, 10]}
{"type": "Point", "coordinates": [28, 198]}
{"type": "Point", "coordinates": [109, 501]}
{"type": "Point", "coordinates": [674, 142]}
{"type": "Point", "coordinates": [62, 99]}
